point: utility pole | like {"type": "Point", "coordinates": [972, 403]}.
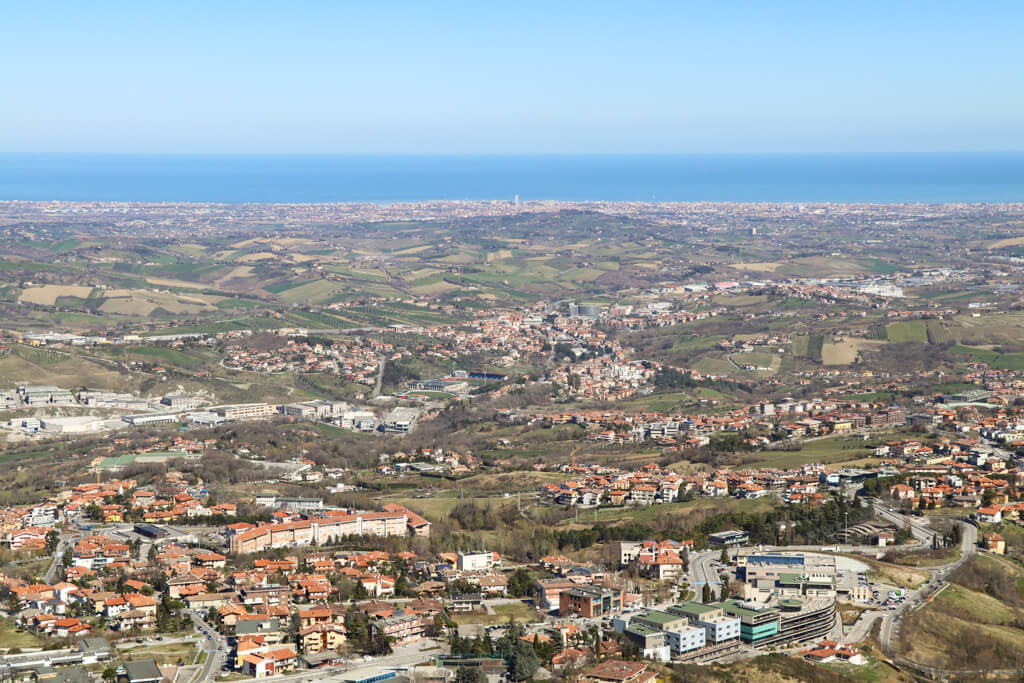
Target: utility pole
{"type": "Point", "coordinates": [847, 513]}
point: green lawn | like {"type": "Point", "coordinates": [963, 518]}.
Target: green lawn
{"type": "Point", "coordinates": [11, 638]}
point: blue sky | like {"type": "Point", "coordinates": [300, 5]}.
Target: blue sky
{"type": "Point", "coordinates": [516, 77]}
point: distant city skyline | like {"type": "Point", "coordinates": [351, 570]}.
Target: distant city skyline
{"type": "Point", "coordinates": [529, 77]}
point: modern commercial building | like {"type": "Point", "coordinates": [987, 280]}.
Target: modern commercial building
{"type": "Point", "coordinates": [246, 411]}
{"type": "Point", "coordinates": [679, 635]}
{"type": "Point", "coordinates": [774, 575]}
{"type": "Point", "coordinates": [303, 505]}
{"type": "Point", "coordinates": [790, 620]}
{"type": "Point", "coordinates": [71, 425]}
{"type": "Point", "coordinates": [652, 643]}
{"type": "Point", "coordinates": [400, 420]}
{"type": "Point", "coordinates": [686, 640]}
{"type": "Point", "coordinates": [179, 402]}
{"type": "Point", "coordinates": [718, 626]}
{"type": "Point", "coordinates": [149, 418]}
{"type": "Point", "coordinates": [757, 622]}
{"type": "Point", "coordinates": [589, 601]}
{"type": "Point", "coordinates": [725, 539]}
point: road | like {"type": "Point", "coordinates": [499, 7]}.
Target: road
{"type": "Point", "coordinates": [67, 540]}
{"type": "Point", "coordinates": [922, 532]}
{"type": "Point", "coordinates": [702, 573]}
{"type": "Point", "coordinates": [216, 648]}
{"type": "Point", "coordinates": [380, 378]}
{"type": "Point", "coordinates": [916, 599]}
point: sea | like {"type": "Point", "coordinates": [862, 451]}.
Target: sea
{"type": "Point", "coordinates": [975, 177]}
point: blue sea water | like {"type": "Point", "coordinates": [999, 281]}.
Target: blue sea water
{"type": "Point", "coordinates": [886, 178]}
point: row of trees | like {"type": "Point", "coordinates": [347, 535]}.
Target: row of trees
{"type": "Point", "coordinates": [521, 656]}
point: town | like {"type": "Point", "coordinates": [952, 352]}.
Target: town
{"type": "Point", "coordinates": [455, 464]}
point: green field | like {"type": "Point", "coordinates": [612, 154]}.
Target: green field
{"type": "Point", "coordinates": [907, 331]}
{"type": "Point", "coordinates": [312, 292]}
{"type": "Point", "coordinates": [169, 356]}
{"type": "Point", "coordinates": [1000, 361]}
{"type": "Point", "coordinates": [800, 344]}
{"type": "Point", "coordinates": [826, 451]}
{"type": "Point", "coordinates": [982, 608]}
{"type": "Point", "coordinates": [653, 512]}
{"type": "Point", "coordinates": [521, 612]}
{"type": "Point", "coordinates": [938, 333]}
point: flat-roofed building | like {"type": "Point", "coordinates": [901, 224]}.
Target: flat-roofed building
{"type": "Point", "coordinates": [725, 539]}
{"type": "Point", "coordinates": [246, 411]}
{"type": "Point", "coordinates": [718, 626]}
{"type": "Point", "coordinates": [757, 622]}
{"type": "Point", "coordinates": [589, 601]}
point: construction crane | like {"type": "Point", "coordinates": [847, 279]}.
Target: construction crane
{"type": "Point", "coordinates": [572, 455]}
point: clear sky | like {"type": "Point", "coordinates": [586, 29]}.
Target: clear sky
{"type": "Point", "coordinates": [510, 77]}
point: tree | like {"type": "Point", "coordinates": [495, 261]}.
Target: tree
{"type": "Point", "coordinates": [469, 674]}
{"type": "Point", "coordinates": [724, 557]}
{"type": "Point", "coordinates": [380, 644]}
{"type": "Point", "coordinates": [546, 650]}
{"type": "Point", "coordinates": [52, 540]}
{"type": "Point", "coordinates": [110, 674]}
{"type": "Point", "coordinates": [705, 595]}
{"type": "Point", "coordinates": [524, 661]}
{"type": "Point", "coordinates": [724, 595]}
{"type": "Point", "coordinates": [358, 628]}
{"type": "Point", "coordinates": [520, 584]}
{"type": "Point", "coordinates": [436, 628]}
{"type": "Point", "coordinates": [94, 512]}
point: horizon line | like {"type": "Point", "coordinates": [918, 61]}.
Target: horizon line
{"type": "Point", "coordinates": [518, 154]}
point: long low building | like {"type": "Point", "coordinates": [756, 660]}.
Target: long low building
{"type": "Point", "coordinates": [246, 411]}
{"type": "Point", "coordinates": [396, 521]}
